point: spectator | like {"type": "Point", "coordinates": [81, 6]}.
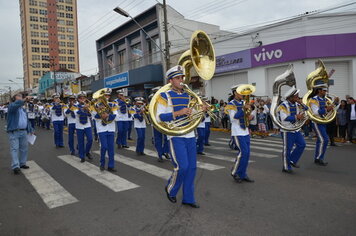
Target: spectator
{"type": "Point", "coordinates": [341, 120]}
{"type": "Point", "coordinates": [18, 126]}
{"type": "Point", "coordinates": [224, 116]}
{"type": "Point", "coordinates": [261, 120]}
{"type": "Point", "coordinates": [253, 122]}
{"type": "Point", "coordinates": [351, 118]}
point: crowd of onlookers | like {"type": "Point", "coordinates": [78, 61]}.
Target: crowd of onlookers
{"type": "Point", "coordinates": [343, 127]}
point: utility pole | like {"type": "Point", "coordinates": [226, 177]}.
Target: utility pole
{"type": "Point", "coordinates": [166, 41]}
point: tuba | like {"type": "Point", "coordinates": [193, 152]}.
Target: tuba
{"type": "Point", "coordinates": [201, 56]}
{"type": "Point", "coordinates": [319, 74]}
{"type": "Point", "coordinates": [287, 78]}
{"type": "Point", "coordinates": [246, 90]}
{"type": "Point", "coordinates": [100, 104]}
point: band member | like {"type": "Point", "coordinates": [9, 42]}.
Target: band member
{"type": "Point", "coordinates": [131, 119]}
{"type": "Point", "coordinates": [320, 108]}
{"type": "Point", "coordinates": [105, 124]}
{"type": "Point", "coordinates": [293, 141]}
{"type": "Point", "coordinates": [57, 118]}
{"type": "Point", "coordinates": [31, 112]}
{"type": "Point", "coordinates": [121, 120]}
{"type": "Point", "coordinates": [46, 116]}
{"type": "Point", "coordinates": [207, 121]}
{"type": "Point", "coordinates": [174, 105]}
{"type": "Point", "coordinates": [70, 114]}
{"type": "Point", "coordinates": [140, 125]}
{"type": "Point", "coordinates": [83, 127]}
{"type": "Point", "coordinates": [201, 136]}
{"type": "Point", "coordinates": [38, 111]}
{"type": "Point", "coordinates": [160, 140]}
{"type": "Point", "coordinates": [240, 135]}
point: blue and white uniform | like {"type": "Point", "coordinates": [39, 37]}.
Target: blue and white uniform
{"type": "Point", "coordinates": [241, 137]}
{"type": "Point", "coordinates": [122, 121]}
{"type": "Point", "coordinates": [140, 126]}
{"type": "Point", "coordinates": [182, 148]}
{"type": "Point", "coordinates": [318, 107]}
{"type": "Point", "coordinates": [83, 128]}
{"type": "Point", "coordinates": [70, 114]}
{"type": "Point", "coordinates": [207, 129]}
{"type": "Point", "coordinates": [57, 118]}
{"type": "Point", "coordinates": [293, 141]}
{"type": "Point", "coordinates": [130, 121]}
{"type": "Point", "coordinates": [31, 113]}
{"type": "Point", "coordinates": [201, 136]}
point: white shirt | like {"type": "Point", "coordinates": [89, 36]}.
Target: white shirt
{"type": "Point", "coordinates": [79, 125]}
{"type": "Point", "coordinates": [161, 109]}
{"type": "Point", "coordinates": [100, 128]}
{"type": "Point", "coordinates": [53, 115]}
{"type": "Point", "coordinates": [284, 113]}
{"type": "Point", "coordinates": [207, 119]}
{"type": "Point", "coordinates": [202, 124]}
{"type": "Point", "coordinates": [236, 129]}
{"type": "Point", "coordinates": [70, 119]}
{"type": "Point", "coordinates": [353, 113]}
{"type": "Point", "coordinates": [254, 119]}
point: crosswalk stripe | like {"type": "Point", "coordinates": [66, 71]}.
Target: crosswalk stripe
{"type": "Point", "coordinates": [265, 140]}
{"type": "Point", "coordinates": [51, 192]}
{"type": "Point", "coordinates": [113, 182]}
{"type": "Point", "coordinates": [140, 165]}
{"type": "Point", "coordinates": [201, 165]}
{"type": "Point", "coordinates": [252, 154]}
{"type": "Point", "coordinates": [276, 147]}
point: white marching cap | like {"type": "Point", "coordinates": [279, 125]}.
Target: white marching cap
{"type": "Point", "coordinates": [233, 88]}
{"type": "Point", "coordinates": [82, 94]}
{"type": "Point", "coordinates": [108, 91]}
{"type": "Point", "coordinates": [55, 95]}
{"type": "Point", "coordinates": [139, 99]}
{"type": "Point", "coordinates": [120, 91]}
{"type": "Point", "coordinates": [155, 89]}
{"type": "Point", "coordinates": [174, 72]}
{"type": "Point", "coordinates": [291, 92]}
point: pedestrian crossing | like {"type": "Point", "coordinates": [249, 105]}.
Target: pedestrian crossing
{"type": "Point", "coordinates": [54, 194]}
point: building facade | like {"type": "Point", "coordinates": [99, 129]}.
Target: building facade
{"type": "Point", "coordinates": [259, 56]}
{"type": "Point", "coordinates": [49, 33]}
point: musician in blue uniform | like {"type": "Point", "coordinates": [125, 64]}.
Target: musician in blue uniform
{"type": "Point", "coordinates": [122, 119]}
{"type": "Point", "coordinates": [160, 140]}
{"type": "Point", "coordinates": [293, 141]}
{"type": "Point", "coordinates": [240, 135]}
{"type": "Point", "coordinates": [83, 127]}
{"type": "Point", "coordinates": [207, 121]}
{"type": "Point", "coordinates": [70, 114]}
{"type": "Point", "coordinates": [140, 125]}
{"type": "Point", "coordinates": [130, 119]}
{"type": "Point", "coordinates": [173, 105]}
{"type": "Point", "coordinates": [31, 112]}
{"type": "Point", "coordinates": [57, 118]}
{"type": "Point", "coordinates": [201, 132]}
{"type": "Point", "coordinates": [105, 124]}
{"type": "Point", "coordinates": [319, 107]}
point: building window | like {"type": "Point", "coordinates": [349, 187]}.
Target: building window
{"type": "Point", "coordinates": [35, 34]}
{"type": "Point", "coordinates": [70, 37]}
{"type": "Point", "coordinates": [71, 66]}
{"type": "Point", "coordinates": [35, 42]}
{"type": "Point", "coordinates": [153, 50]}
{"type": "Point", "coordinates": [44, 35]}
{"type": "Point", "coordinates": [44, 19]}
{"type": "Point", "coordinates": [33, 3]}
{"type": "Point", "coordinates": [43, 12]}
{"type": "Point", "coordinates": [44, 42]}
{"type": "Point", "coordinates": [121, 61]}
{"type": "Point", "coordinates": [33, 11]}
{"type": "Point", "coordinates": [69, 1]}
{"type": "Point", "coordinates": [70, 30]}
{"type": "Point", "coordinates": [62, 51]}
{"type": "Point", "coordinates": [60, 14]}
{"type": "Point", "coordinates": [36, 65]}
{"type": "Point", "coordinates": [61, 29]}
{"type": "Point", "coordinates": [71, 59]}
{"type": "Point", "coordinates": [69, 23]}
{"type": "Point", "coordinates": [62, 1]}
{"type": "Point", "coordinates": [69, 15]}
{"type": "Point", "coordinates": [70, 51]}
{"type": "Point", "coordinates": [35, 49]}
{"type": "Point", "coordinates": [42, 4]}
{"type": "Point", "coordinates": [70, 44]}
{"type": "Point", "coordinates": [44, 50]}
{"type": "Point", "coordinates": [34, 18]}
{"type": "Point", "coordinates": [61, 22]}
{"type": "Point", "coordinates": [62, 44]}
{"type": "Point", "coordinates": [33, 26]}
{"type": "Point", "coordinates": [36, 72]}
{"type": "Point", "coordinates": [36, 57]}
{"type": "Point", "coordinates": [63, 66]}
{"type": "Point", "coordinates": [45, 65]}
{"type": "Point", "coordinates": [44, 27]}
{"type": "Point", "coordinates": [68, 8]}
{"type": "Point", "coordinates": [136, 53]}
{"type": "Point", "coordinates": [61, 58]}
{"type": "Point", "coordinates": [60, 7]}
{"type": "Point", "coordinates": [61, 36]}
{"type": "Point", "coordinates": [44, 58]}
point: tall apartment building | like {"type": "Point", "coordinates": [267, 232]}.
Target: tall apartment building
{"type": "Point", "coordinates": [49, 32]}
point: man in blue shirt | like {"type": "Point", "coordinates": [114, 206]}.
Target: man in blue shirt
{"type": "Point", "coordinates": [18, 126]}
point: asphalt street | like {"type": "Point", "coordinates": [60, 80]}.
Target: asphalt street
{"type": "Point", "coordinates": [314, 200]}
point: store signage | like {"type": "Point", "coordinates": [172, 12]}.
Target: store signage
{"type": "Point", "coordinates": [117, 81]}
{"type": "Point", "coordinates": [233, 61]}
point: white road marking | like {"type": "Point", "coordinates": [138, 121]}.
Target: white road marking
{"type": "Point", "coordinates": [140, 165]}
{"type": "Point", "coordinates": [276, 147]}
{"type": "Point", "coordinates": [113, 182]}
{"type": "Point", "coordinates": [252, 154]}
{"type": "Point", "coordinates": [51, 192]}
{"type": "Point", "coordinates": [201, 165]}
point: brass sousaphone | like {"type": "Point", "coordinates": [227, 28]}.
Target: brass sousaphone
{"type": "Point", "coordinates": [201, 56]}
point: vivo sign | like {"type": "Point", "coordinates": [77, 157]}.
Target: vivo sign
{"type": "Point", "coordinates": [268, 55]}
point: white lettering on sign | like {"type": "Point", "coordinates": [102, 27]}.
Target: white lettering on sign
{"type": "Point", "coordinates": [268, 55]}
{"type": "Point", "coordinates": [118, 80]}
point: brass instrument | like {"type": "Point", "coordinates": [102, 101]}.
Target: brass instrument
{"type": "Point", "coordinates": [246, 90]}
{"type": "Point", "coordinates": [210, 111]}
{"type": "Point", "coordinates": [100, 104]}
{"type": "Point", "coordinates": [201, 56]}
{"type": "Point", "coordinates": [287, 78]}
{"type": "Point", "coordinates": [319, 74]}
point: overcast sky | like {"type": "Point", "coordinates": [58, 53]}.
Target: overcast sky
{"type": "Point", "coordinates": [96, 18]}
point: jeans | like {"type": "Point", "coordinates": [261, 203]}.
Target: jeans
{"type": "Point", "coordinates": [18, 148]}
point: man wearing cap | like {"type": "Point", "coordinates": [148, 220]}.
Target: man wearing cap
{"type": "Point", "coordinates": [289, 113]}
{"type": "Point", "coordinates": [70, 114]}
{"type": "Point", "coordinates": [83, 127]}
{"type": "Point", "coordinates": [320, 108]}
{"type": "Point", "coordinates": [121, 120]}
{"type": "Point", "coordinates": [173, 105]}
{"type": "Point", "coordinates": [140, 125]}
{"type": "Point", "coordinates": [105, 125]}
{"type": "Point", "coordinates": [57, 118]}
{"type": "Point", "coordinates": [240, 135]}
{"type": "Point", "coordinates": [160, 140]}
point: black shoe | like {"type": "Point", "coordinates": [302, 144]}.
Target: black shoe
{"type": "Point", "coordinates": [102, 168]}
{"type": "Point", "coordinates": [160, 159]}
{"type": "Point", "coordinates": [320, 162]}
{"type": "Point", "coordinates": [24, 167]}
{"type": "Point", "coordinates": [142, 154]}
{"type": "Point", "coordinates": [171, 199]}
{"type": "Point", "coordinates": [60, 146]}
{"type": "Point", "coordinates": [72, 153]}
{"type": "Point", "coordinates": [82, 160]}
{"type": "Point", "coordinates": [118, 146]}
{"type": "Point", "coordinates": [17, 171]}
{"type": "Point", "coordinates": [237, 179]}
{"type": "Point", "coordinates": [295, 165]}
{"type": "Point", "coordinates": [248, 180]}
{"type": "Point", "coordinates": [166, 155]}
{"type": "Point", "coordinates": [208, 144]}
{"type": "Point", "coordinates": [129, 139]}
{"type": "Point", "coordinates": [112, 169]}
{"type": "Point", "coordinates": [89, 156]}
{"type": "Point", "coordinates": [287, 171]}
{"type": "Point", "coordinates": [194, 205]}
{"type": "Point", "coordinates": [125, 146]}
{"type": "Point", "coordinates": [201, 153]}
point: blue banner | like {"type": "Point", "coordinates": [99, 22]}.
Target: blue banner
{"type": "Point", "coordinates": [117, 81]}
